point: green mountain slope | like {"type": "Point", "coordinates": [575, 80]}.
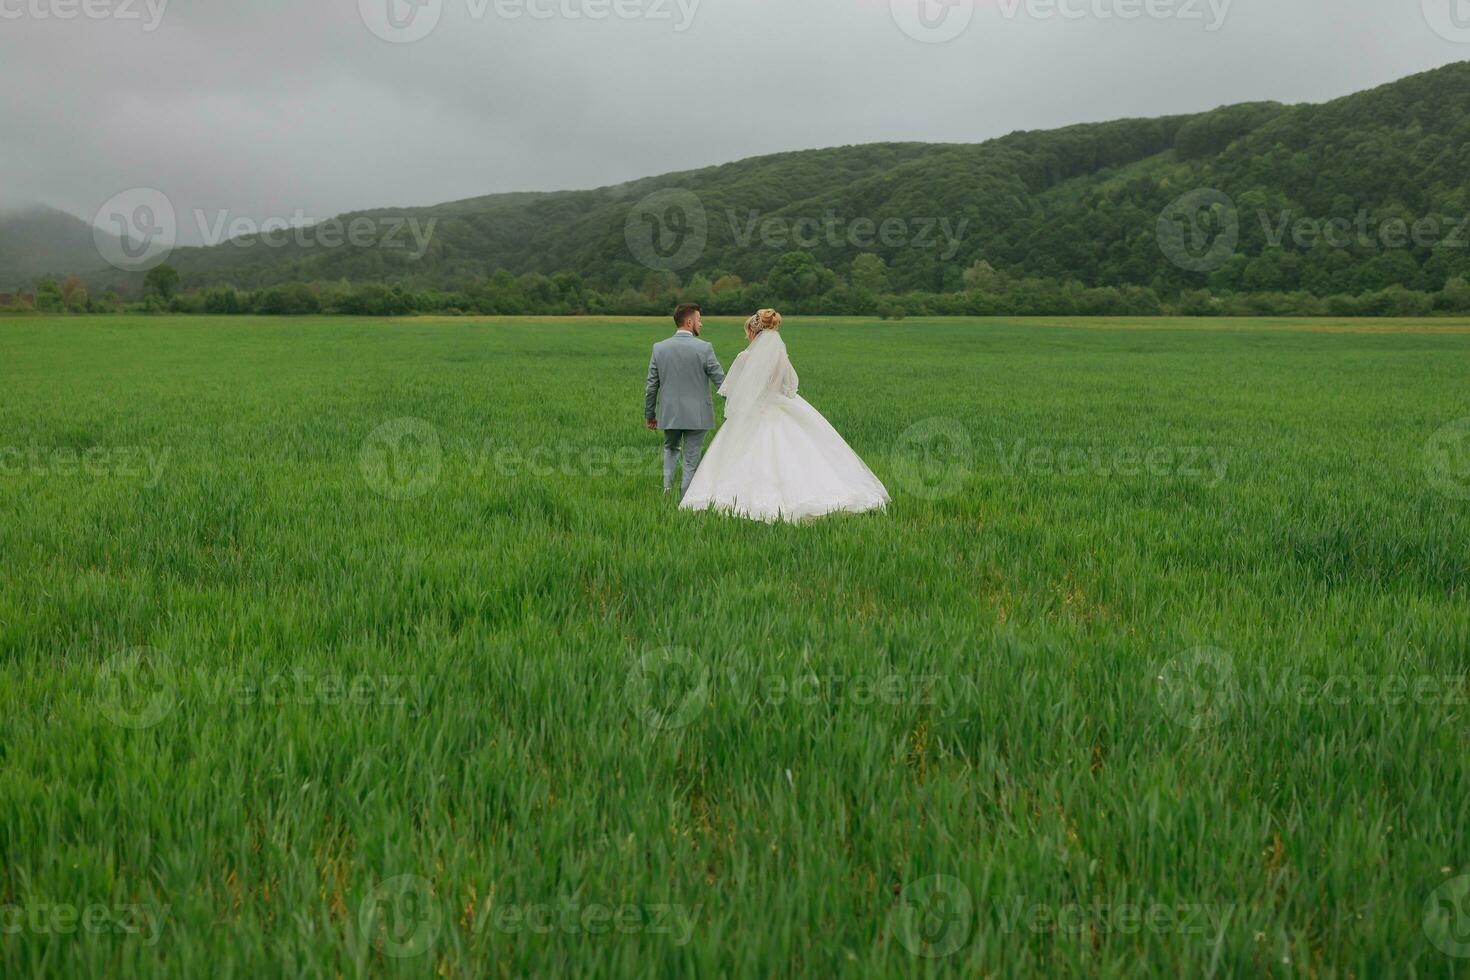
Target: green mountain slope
{"type": "Point", "coordinates": [41, 241]}
{"type": "Point", "coordinates": [1077, 204]}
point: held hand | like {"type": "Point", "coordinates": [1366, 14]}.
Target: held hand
{"type": "Point", "coordinates": [652, 424]}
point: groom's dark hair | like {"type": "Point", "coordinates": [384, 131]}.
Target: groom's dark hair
{"type": "Point", "coordinates": [684, 312]}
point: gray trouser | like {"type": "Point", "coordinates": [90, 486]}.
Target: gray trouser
{"type": "Point", "coordinates": [693, 442]}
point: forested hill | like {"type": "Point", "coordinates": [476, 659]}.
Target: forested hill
{"type": "Point", "coordinates": [1077, 204]}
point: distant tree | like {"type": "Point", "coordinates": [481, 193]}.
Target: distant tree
{"type": "Point", "coordinates": [1456, 295]}
{"type": "Point", "coordinates": [890, 310]}
{"type": "Point", "coordinates": [798, 275]}
{"type": "Point", "coordinates": [48, 296]}
{"type": "Point", "coordinates": [292, 299]}
{"type": "Point", "coordinates": [571, 291]}
{"type": "Point", "coordinates": [162, 281]}
{"type": "Point", "coordinates": [658, 284]}
{"type": "Point", "coordinates": [698, 291]}
{"type": "Point", "coordinates": [224, 300]}
{"type": "Point", "coordinates": [376, 299]}
{"type": "Point", "coordinates": [982, 277]}
{"type": "Point", "coordinates": [74, 295]}
{"type": "Point", "coordinates": [539, 292]}
{"type": "Point", "coordinates": [725, 284]}
{"type": "Point", "coordinates": [870, 273]}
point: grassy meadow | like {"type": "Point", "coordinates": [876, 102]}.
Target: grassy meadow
{"type": "Point", "coordinates": [339, 648]}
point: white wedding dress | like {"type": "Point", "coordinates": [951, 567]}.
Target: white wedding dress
{"type": "Point", "coordinates": [776, 458]}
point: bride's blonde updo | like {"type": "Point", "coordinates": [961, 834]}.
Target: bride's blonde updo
{"type": "Point", "coordinates": [763, 320]}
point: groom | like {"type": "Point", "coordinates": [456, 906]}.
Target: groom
{"type": "Point", "coordinates": [681, 370]}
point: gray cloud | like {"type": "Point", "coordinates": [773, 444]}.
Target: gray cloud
{"type": "Point", "coordinates": [267, 108]}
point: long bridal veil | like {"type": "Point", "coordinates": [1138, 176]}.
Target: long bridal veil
{"type": "Point", "coordinates": [761, 371]}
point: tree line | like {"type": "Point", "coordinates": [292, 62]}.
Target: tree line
{"type": "Point", "coordinates": [798, 282]}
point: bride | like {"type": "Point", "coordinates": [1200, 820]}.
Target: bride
{"type": "Point", "coordinates": [776, 457]}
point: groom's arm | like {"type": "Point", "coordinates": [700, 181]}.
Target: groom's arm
{"type": "Point", "coordinates": [713, 369]}
{"type": "Point", "coordinates": [650, 393]}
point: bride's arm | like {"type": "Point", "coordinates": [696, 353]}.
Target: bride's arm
{"type": "Point", "coordinates": [789, 380]}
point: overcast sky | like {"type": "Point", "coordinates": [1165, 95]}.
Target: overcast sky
{"type": "Point", "coordinates": [270, 108]}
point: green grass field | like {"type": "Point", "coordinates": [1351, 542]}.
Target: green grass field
{"type": "Point", "coordinates": [344, 648]}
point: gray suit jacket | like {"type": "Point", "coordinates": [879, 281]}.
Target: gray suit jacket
{"type": "Point", "coordinates": [679, 377]}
